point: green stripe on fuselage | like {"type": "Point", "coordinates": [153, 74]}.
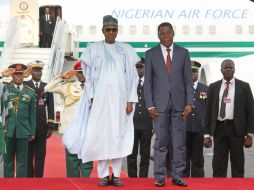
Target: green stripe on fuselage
{"type": "Point", "coordinates": [188, 44]}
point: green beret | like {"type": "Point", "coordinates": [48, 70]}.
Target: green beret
{"type": "Point", "coordinates": [108, 20]}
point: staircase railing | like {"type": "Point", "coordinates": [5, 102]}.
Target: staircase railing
{"type": "Point", "coordinates": [9, 44]}
{"type": "Point", "coordinates": [57, 53]}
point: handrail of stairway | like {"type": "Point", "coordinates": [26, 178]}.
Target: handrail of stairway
{"type": "Point", "coordinates": [57, 51]}
{"type": "Point", "coordinates": [9, 44]}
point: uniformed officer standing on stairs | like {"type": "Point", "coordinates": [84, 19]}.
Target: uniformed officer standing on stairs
{"type": "Point", "coordinates": [71, 92]}
{"type": "Point", "coordinates": [195, 127]}
{"type": "Point", "coordinates": [44, 121]}
{"type": "Point", "coordinates": [21, 124]}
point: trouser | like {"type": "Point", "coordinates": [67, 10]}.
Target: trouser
{"type": "Point", "coordinates": [15, 147]}
{"type": "Point", "coordinates": [142, 138]}
{"type": "Point", "coordinates": [174, 119]}
{"type": "Point", "coordinates": [227, 141]}
{"type": "Point", "coordinates": [37, 154]}
{"type": "Point", "coordinates": [74, 166]}
{"type": "Point", "coordinates": [194, 155]}
{"type": "Point", "coordinates": [169, 157]}
{"type": "Point", "coordinates": [46, 40]}
{"type": "Point", "coordinates": [103, 167]}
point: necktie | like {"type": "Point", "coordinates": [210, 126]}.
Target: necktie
{"type": "Point", "coordinates": [18, 88]}
{"type": "Point", "coordinates": [223, 103]}
{"type": "Point", "coordinates": [36, 85]}
{"type": "Point", "coordinates": [169, 63]}
{"type": "Point", "coordinates": [82, 85]}
{"type": "Point", "coordinates": [139, 82]}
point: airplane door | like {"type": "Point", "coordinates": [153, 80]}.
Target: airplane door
{"type": "Point", "coordinates": [26, 12]}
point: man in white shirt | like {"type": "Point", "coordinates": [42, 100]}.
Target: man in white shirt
{"type": "Point", "coordinates": [230, 120]}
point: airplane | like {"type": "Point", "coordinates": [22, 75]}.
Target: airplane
{"type": "Point", "coordinates": [212, 30]}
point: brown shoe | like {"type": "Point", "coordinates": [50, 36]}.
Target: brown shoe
{"type": "Point", "coordinates": [104, 181]}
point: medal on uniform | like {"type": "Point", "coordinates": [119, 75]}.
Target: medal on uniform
{"type": "Point", "coordinates": [40, 102]}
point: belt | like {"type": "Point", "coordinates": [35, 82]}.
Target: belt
{"type": "Point", "coordinates": [226, 121]}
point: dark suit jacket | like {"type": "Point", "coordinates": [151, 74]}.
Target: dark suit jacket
{"type": "Point", "coordinates": [45, 111]}
{"type": "Point", "coordinates": [243, 108]}
{"type": "Point", "coordinates": [195, 122]}
{"type": "Point", "coordinates": [47, 27]}
{"type": "Point", "coordinates": [159, 85]}
{"type": "Point", "coordinates": [142, 119]}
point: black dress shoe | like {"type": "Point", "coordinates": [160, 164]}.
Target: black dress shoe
{"type": "Point", "coordinates": [159, 183]}
{"type": "Point", "coordinates": [116, 181]}
{"type": "Point", "coordinates": [179, 182]}
{"type": "Point", "coordinates": [104, 182]}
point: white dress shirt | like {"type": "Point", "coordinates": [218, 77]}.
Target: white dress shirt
{"type": "Point", "coordinates": [231, 97]}
{"type": "Point", "coordinates": [165, 52]}
{"type": "Point", "coordinates": [39, 83]}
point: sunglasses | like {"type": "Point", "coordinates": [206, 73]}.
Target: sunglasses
{"type": "Point", "coordinates": [111, 29]}
{"type": "Point", "coordinates": [139, 66]}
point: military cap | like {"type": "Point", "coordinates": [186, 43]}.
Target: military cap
{"type": "Point", "coordinates": [19, 67]}
{"type": "Point", "coordinates": [77, 66]}
{"type": "Point", "coordinates": [36, 64]}
{"type": "Point", "coordinates": [108, 20]}
{"type": "Point", "coordinates": [195, 65]}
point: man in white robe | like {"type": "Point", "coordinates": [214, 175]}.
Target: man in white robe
{"type": "Point", "coordinates": [105, 114]}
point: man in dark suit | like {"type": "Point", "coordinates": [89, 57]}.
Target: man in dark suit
{"type": "Point", "coordinates": [169, 98]}
{"type": "Point", "coordinates": [47, 27]}
{"type": "Point", "coordinates": [44, 122]}
{"type": "Point", "coordinates": [230, 120]}
{"type": "Point", "coordinates": [143, 127]}
{"type": "Point", "coordinates": [195, 127]}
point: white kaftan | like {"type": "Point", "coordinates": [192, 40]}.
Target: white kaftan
{"type": "Point", "coordinates": [111, 81]}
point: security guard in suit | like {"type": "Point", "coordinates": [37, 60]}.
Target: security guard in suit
{"type": "Point", "coordinates": [44, 121]}
{"type": "Point", "coordinates": [143, 127]}
{"type": "Point", "coordinates": [21, 124]}
{"type": "Point", "coordinates": [71, 91]}
{"type": "Point", "coordinates": [195, 127]}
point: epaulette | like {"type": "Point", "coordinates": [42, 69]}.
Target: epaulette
{"type": "Point", "coordinates": [29, 88]}
{"type": "Point", "coordinates": [70, 81]}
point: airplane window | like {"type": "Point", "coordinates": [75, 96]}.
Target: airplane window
{"type": "Point", "coordinates": [120, 30]}
{"type": "Point", "coordinates": [146, 30]}
{"type": "Point", "coordinates": [251, 29]}
{"type": "Point", "coordinates": [199, 29]}
{"type": "Point", "coordinates": [212, 29]}
{"type": "Point", "coordinates": [92, 30]}
{"type": "Point", "coordinates": [186, 29]}
{"type": "Point", "coordinates": [238, 29]}
{"type": "Point", "coordinates": [133, 30]}
{"type": "Point", "coordinates": [79, 30]}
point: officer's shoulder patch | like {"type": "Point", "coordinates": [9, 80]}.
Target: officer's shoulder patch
{"type": "Point", "coordinates": [70, 81]}
{"type": "Point", "coordinates": [28, 87]}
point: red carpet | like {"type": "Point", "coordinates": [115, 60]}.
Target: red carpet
{"type": "Point", "coordinates": [130, 184]}
{"type": "Point", "coordinates": [55, 160]}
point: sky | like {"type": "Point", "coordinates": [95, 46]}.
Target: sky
{"type": "Point", "coordinates": [4, 2]}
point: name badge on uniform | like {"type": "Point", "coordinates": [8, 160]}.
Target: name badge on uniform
{"type": "Point", "coordinates": [227, 100]}
{"type": "Point", "coordinates": [41, 102]}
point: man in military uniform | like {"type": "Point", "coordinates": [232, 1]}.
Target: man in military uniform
{"type": "Point", "coordinates": [21, 124]}
{"type": "Point", "coordinates": [143, 127]}
{"type": "Point", "coordinates": [44, 121]}
{"type": "Point", "coordinates": [195, 127]}
{"type": "Point", "coordinates": [71, 91]}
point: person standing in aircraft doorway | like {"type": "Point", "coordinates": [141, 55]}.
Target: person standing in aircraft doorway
{"type": "Point", "coordinates": [47, 27]}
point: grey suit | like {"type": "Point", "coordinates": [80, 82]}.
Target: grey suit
{"type": "Point", "coordinates": [169, 94]}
